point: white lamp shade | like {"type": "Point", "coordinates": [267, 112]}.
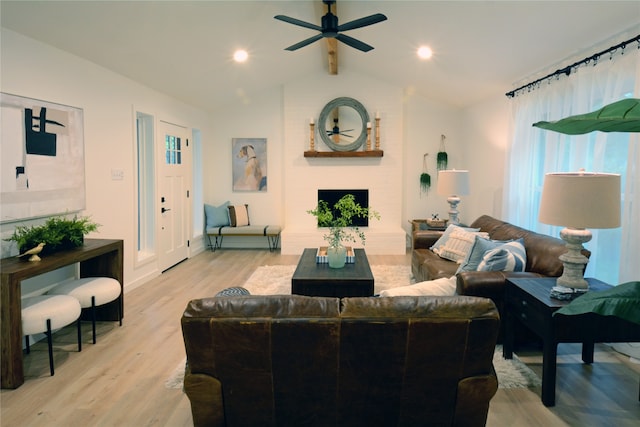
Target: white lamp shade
{"type": "Point", "coordinates": [581, 200]}
{"type": "Point", "coordinates": [453, 182]}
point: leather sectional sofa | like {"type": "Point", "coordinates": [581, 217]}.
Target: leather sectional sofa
{"type": "Point", "coordinates": [293, 360]}
{"type": "Point", "coordinates": [542, 259]}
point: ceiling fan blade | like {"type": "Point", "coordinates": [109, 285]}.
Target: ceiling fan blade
{"type": "Point", "coordinates": [298, 22]}
{"type": "Point", "coordinates": [362, 22]}
{"type": "Point", "coordinates": [354, 43]}
{"type": "Point", "coordinates": [303, 43]}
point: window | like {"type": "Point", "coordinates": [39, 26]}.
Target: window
{"type": "Point", "coordinates": [535, 152]}
{"type": "Point", "coordinates": [173, 150]}
{"type": "Point", "coordinates": [146, 186]}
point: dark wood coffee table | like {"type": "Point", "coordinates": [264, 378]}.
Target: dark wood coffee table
{"type": "Point", "coordinates": [319, 280]}
{"type": "Point", "coordinates": [528, 302]}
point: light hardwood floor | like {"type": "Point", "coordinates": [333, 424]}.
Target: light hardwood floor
{"type": "Point", "coordinates": [120, 380]}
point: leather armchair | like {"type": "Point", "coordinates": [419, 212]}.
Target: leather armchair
{"type": "Point", "coordinates": [312, 361]}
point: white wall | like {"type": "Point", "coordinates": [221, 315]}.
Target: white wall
{"type": "Point", "coordinates": [411, 126]}
{"type": "Point", "coordinates": [35, 70]}
{"type": "Point", "coordinates": [486, 133]}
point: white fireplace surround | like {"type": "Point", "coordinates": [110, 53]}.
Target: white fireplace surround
{"type": "Point", "coordinates": [304, 176]}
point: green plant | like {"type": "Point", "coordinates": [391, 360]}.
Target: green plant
{"type": "Point", "coordinates": [56, 233]}
{"type": "Point", "coordinates": [340, 219]}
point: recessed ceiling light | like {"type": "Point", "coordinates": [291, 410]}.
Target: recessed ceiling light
{"type": "Point", "coordinates": [425, 52]}
{"type": "Point", "coordinates": [240, 55]}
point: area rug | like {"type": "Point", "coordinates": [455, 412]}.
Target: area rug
{"type": "Point", "coordinates": [511, 373]}
{"type": "Point", "coordinates": [276, 279]}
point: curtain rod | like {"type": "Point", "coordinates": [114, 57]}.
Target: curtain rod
{"type": "Point", "coordinates": [568, 69]}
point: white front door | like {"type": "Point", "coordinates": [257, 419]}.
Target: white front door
{"type": "Point", "coordinates": [174, 183]}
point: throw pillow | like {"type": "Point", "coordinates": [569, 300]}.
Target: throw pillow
{"type": "Point", "coordinates": [447, 233]}
{"type": "Point", "coordinates": [239, 215]}
{"type": "Point", "coordinates": [445, 286]}
{"type": "Point", "coordinates": [480, 246]}
{"type": "Point", "coordinates": [511, 256]}
{"type": "Point", "coordinates": [459, 245]}
{"type": "Point", "coordinates": [216, 216]}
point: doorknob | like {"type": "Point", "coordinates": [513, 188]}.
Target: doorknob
{"type": "Point", "coordinates": [163, 210]}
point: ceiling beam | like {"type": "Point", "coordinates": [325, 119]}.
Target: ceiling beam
{"type": "Point", "coordinates": [332, 52]}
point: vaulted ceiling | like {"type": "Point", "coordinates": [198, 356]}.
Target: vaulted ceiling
{"type": "Point", "coordinates": [184, 48]}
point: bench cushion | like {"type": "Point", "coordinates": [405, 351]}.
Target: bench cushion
{"type": "Point", "coordinates": [247, 230]}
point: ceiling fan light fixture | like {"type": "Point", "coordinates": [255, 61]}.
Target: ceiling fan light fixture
{"type": "Point", "coordinates": [240, 55]}
{"type": "Point", "coordinates": [425, 52]}
{"type": "Point", "coordinates": [330, 28]}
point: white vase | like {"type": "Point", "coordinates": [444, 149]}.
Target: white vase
{"type": "Point", "coordinates": [337, 256]}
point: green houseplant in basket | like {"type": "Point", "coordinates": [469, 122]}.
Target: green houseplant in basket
{"type": "Point", "coordinates": [339, 219]}
{"type": "Point", "coordinates": [57, 233]}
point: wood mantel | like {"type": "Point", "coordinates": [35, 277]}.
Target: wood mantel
{"type": "Point", "coordinates": [369, 153]}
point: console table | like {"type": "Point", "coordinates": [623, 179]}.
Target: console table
{"type": "Point", "coordinates": [97, 258]}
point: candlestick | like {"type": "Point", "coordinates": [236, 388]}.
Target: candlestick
{"type": "Point", "coordinates": [368, 136]}
{"type": "Point", "coordinates": [311, 136]}
{"type": "Point", "coordinates": [377, 132]}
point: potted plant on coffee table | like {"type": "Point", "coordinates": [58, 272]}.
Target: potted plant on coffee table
{"type": "Point", "coordinates": [339, 220]}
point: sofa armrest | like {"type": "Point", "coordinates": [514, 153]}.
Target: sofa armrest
{"type": "Point", "coordinates": [424, 239]}
{"type": "Point", "coordinates": [205, 394]}
{"type": "Point", "coordinates": [472, 403]}
{"type": "Point", "coordinates": [488, 284]}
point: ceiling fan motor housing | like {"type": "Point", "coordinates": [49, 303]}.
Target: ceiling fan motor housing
{"type": "Point", "coordinates": [329, 25]}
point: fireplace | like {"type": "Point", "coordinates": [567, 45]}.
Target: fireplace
{"type": "Point", "coordinates": [361, 197]}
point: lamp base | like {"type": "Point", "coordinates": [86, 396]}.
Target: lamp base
{"type": "Point", "coordinates": [573, 261]}
{"type": "Point", "coordinates": [453, 209]}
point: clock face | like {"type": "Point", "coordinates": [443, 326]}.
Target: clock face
{"type": "Point", "coordinates": [343, 124]}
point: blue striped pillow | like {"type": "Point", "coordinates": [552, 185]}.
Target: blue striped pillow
{"type": "Point", "coordinates": [508, 257]}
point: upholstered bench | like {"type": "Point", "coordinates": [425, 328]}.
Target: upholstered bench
{"type": "Point", "coordinates": [233, 220]}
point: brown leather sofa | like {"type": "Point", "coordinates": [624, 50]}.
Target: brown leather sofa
{"type": "Point", "coordinates": [542, 259]}
{"type": "Point", "coordinates": [292, 360]}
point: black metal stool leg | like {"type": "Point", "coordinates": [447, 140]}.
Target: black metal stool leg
{"type": "Point", "coordinates": [79, 334]}
{"type": "Point", "coordinates": [50, 343]}
{"type": "Point", "coordinates": [93, 317]}
{"type": "Point", "coordinates": [26, 341]}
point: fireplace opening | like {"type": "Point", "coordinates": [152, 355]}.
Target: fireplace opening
{"type": "Point", "coordinates": [360, 196]}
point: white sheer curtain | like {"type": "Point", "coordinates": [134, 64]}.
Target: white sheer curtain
{"type": "Point", "coordinates": [534, 152]}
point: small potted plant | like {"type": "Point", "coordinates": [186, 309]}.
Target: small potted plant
{"type": "Point", "coordinates": [57, 233]}
{"type": "Point", "coordinates": [339, 220]}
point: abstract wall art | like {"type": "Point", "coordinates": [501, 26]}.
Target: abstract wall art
{"type": "Point", "coordinates": [42, 148]}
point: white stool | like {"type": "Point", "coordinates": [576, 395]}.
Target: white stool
{"type": "Point", "coordinates": [91, 292]}
{"type": "Point", "coordinates": [44, 313]}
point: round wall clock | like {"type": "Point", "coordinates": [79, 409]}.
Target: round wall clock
{"type": "Point", "coordinates": [343, 124]}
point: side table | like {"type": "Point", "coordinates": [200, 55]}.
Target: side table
{"type": "Point", "coordinates": [528, 302]}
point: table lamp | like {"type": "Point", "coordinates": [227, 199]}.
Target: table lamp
{"type": "Point", "coordinates": [577, 201]}
{"type": "Point", "coordinates": [453, 183]}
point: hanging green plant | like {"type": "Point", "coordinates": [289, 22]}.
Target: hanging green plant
{"type": "Point", "coordinates": [425, 178]}
{"type": "Point", "coordinates": [442, 158]}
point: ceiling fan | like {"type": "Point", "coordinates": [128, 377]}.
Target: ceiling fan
{"type": "Point", "coordinates": [331, 29]}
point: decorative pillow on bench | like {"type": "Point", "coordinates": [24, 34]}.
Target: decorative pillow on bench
{"type": "Point", "coordinates": [239, 215]}
{"type": "Point", "coordinates": [217, 216]}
